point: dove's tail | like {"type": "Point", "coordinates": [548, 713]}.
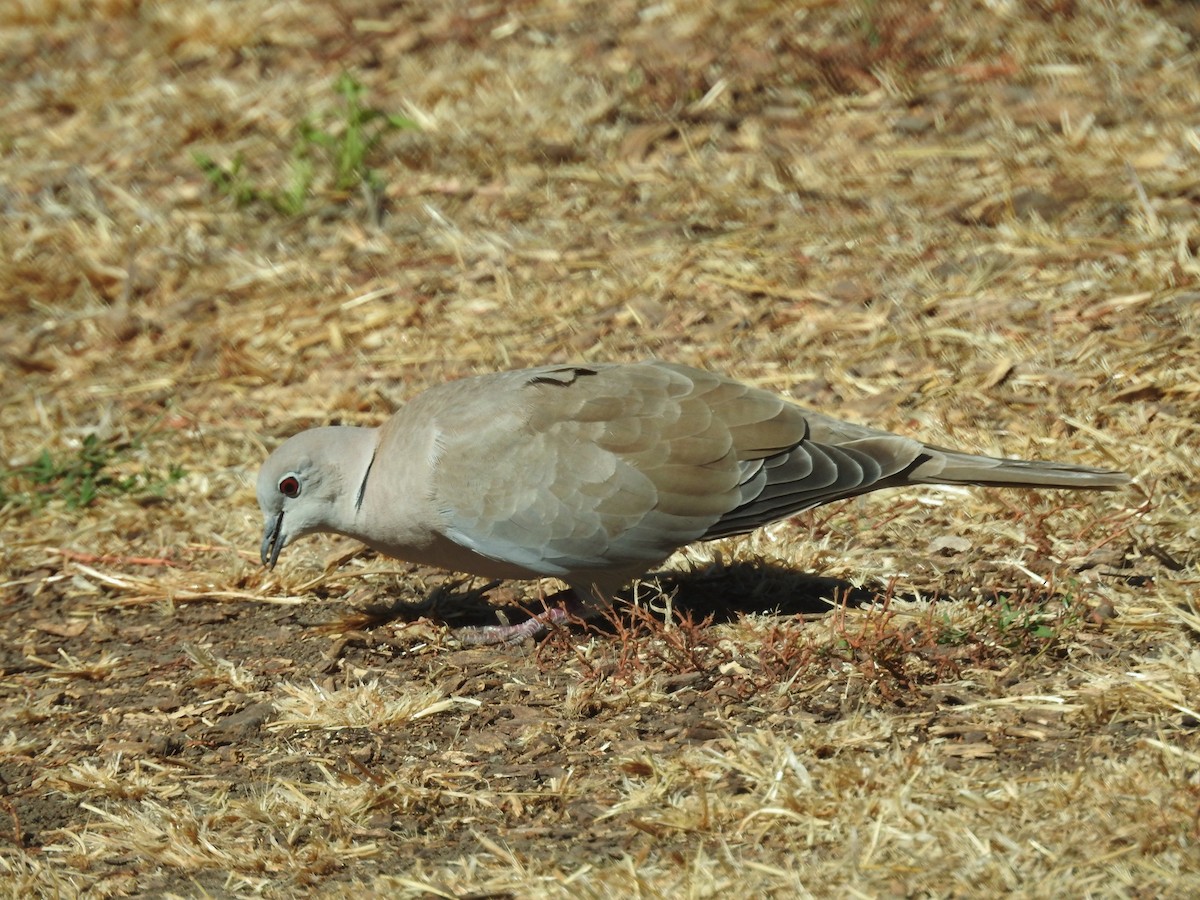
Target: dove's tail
{"type": "Point", "coordinates": [813, 473]}
{"type": "Point", "coordinates": [940, 466]}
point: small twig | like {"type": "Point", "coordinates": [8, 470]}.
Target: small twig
{"type": "Point", "coordinates": [1147, 209]}
{"type": "Point", "coordinates": [377, 780]}
{"type": "Point", "coordinates": [146, 591]}
{"type": "Point", "coordinates": [11, 809]}
{"type": "Point", "coordinates": [110, 559]}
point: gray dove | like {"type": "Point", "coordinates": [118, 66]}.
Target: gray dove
{"type": "Point", "coordinates": [594, 474]}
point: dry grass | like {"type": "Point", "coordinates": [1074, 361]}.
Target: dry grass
{"type": "Point", "coordinates": [870, 208]}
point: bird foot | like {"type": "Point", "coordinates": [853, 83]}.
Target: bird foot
{"type": "Point", "coordinates": [560, 608]}
{"type": "Point", "coordinates": [481, 635]}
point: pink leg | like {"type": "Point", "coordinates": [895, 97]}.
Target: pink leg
{"type": "Point", "coordinates": [565, 609]}
{"type": "Point", "coordinates": [512, 634]}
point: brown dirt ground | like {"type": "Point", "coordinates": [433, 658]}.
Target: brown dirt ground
{"type": "Point", "coordinates": [977, 224]}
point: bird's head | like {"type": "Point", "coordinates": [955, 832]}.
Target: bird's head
{"type": "Point", "coordinates": [303, 485]}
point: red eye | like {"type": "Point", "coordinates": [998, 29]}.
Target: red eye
{"type": "Point", "coordinates": [289, 486]}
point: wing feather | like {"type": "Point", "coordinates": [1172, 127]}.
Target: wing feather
{"type": "Point", "coordinates": [612, 467]}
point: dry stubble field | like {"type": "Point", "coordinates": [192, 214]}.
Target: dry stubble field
{"type": "Point", "coordinates": [974, 222]}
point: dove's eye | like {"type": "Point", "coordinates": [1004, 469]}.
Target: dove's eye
{"type": "Point", "coordinates": [289, 486]}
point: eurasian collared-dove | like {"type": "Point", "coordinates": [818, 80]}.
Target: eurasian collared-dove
{"type": "Point", "coordinates": [594, 474]}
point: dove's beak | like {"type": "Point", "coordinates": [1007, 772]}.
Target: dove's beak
{"type": "Point", "coordinates": [273, 541]}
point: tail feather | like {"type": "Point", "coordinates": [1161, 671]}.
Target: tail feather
{"type": "Point", "coordinates": [939, 466]}
{"type": "Point", "coordinates": [812, 473]}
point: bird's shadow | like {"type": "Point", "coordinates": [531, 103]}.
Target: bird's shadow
{"type": "Point", "coordinates": [718, 594]}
